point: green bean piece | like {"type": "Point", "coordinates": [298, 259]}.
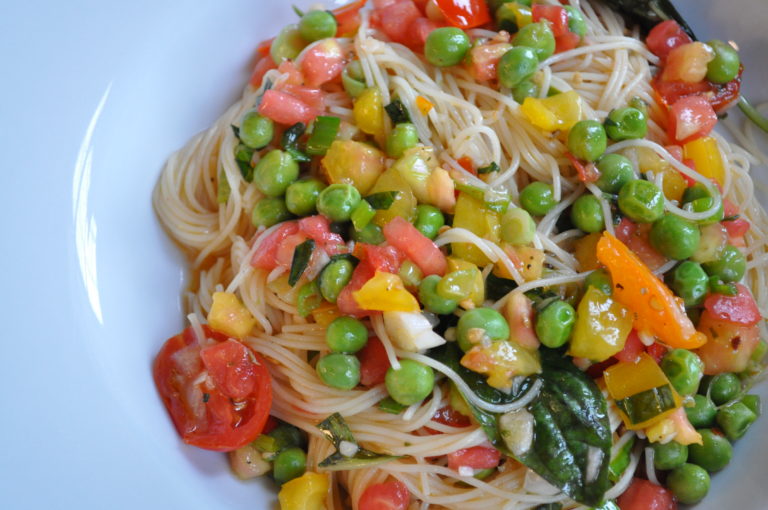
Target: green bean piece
{"type": "Point", "coordinates": [481, 324]}
{"type": "Point", "coordinates": [641, 201]}
{"type": "Point", "coordinates": [669, 455]}
{"type": "Point", "coordinates": [554, 324]}
{"type": "Point", "coordinates": [334, 277]}
{"type": "Point", "coordinates": [674, 237]}
{"type": "Point", "coordinates": [353, 79]}
{"type": "Point", "coordinates": [346, 334]}
{"type": "Point", "coordinates": [626, 124]}
{"type": "Point", "coordinates": [587, 214]}
{"type": "Point", "coordinates": [537, 198]}
{"type": "Point", "coordinates": [289, 464]}
{"type": "Point", "coordinates": [411, 384]}
{"type": "Point", "coordinates": [256, 131]}
{"type": "Point", "coordinates": [730, 266]}
{"type": "Point", "coordinates": [725, 66]}
{"type": "Point", "coordinates": [689, 483]}
{"type": "Point", "coordinates": [734, 419]}
{"type": "Point", "coordinates": [316, 25]}
{"type": "Point", "coordinates": [615, 171]}
{"type": "Point", "coordinates": [753, 403]}
{"type": "Point", "coordinates": [714, 454]}
{"type": "Point", "coordinates": [337, 201]}
{"type": "Point", "coordinates": [433, 301]}
{"type": "Point", "coordinates": [538, 36]}
{"type": "Point", "coordinates": [429, 220]}
{"type": "Point", "coordinates": [446, 46]}
{"type": "Point", "coordinates": [703, 412]}
{"type": "Point", "coordinates": [516, 65]}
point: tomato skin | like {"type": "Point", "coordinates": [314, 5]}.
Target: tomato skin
{"type": "Point", "coordinates": [420, 29]}
{"type": "Point", "coordinates": [556, 15]}
{"type": "Point", "coordinates": [322, 62]}
{"type": "Point", "coordinates": [690, 117]}
{"type": "Point", "coordinates": [204, 414]}
{"type": "Point", "coordinates": [656, 351]}
{"type": "Point", "coordinates": [266, 255]}
{"type": "Point", "coordinates": [420, 249]}
{"type": "Point", "coordinates": [644, 495]}
{"type": "Point", "coordinates": [374, 363]}
{"type": "Point", "coordinates": [393, 495]}
{"type": "Point", "coordinates": [665, 37]}
{"type": "Point", "coordinates": [739, 309]}
{"type": "Point", "coordinates": [476, 457]}
{"type": "Point", "coordinates": [464, 13]}
{"type": "Point", "coordinates": [587, 173]}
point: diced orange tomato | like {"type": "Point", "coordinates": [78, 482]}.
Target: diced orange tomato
{"type": "Point", "coordinates": [464, 13]}
{"type": "Point", "coordinates": [688, 63]}
{"type": "Point", "coordinates": [424, 105]}
{"type": "Point", "coordinates": [729, 345]}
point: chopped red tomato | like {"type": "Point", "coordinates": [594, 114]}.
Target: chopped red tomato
{"type": "Point", "coordinates": [636, 237]}
{"type": "Point", "coordinates": [726, 94]}
{"type": "Point", "coordinates": [266, 254]}
{"type": "Point", "coordinates": [633, 347]}
{"type": "Point", "coordinates": [420, 249]}
{"type": "Point", "coordinates": [656, 351]}
{"type": "Point", "coordinates": [260, 69]}
{"type": "Point", "coordinates": [670, 91]}
{"type": "Point", "coordinates": [318, 228]}
{"type": "Point", "coordinates": [587, 173]}
{"type": "Point", "coordinates": [665, 37]}
{"type": "Point", "coordinates": [729, 346]}
{"type": "Point", "coordinates": [383, 258]}
{"type": "Point", "coordinates": [485, 58]}
{"type": "Point", "coordinates": [690, 117]}
{"type": "Point", "coordinates": [738, 309]}
{"type": "Point", "coordinates": [392, 495]}
{"type": "Point", "coordinates": [467, 164]}
{"type": "Point", "coordinates": [285, 108]}
{"type": "Point", "coordinates": [736, 228]}
{"type": "Point", "coordinates": [348, 18]}
{"type": "Point", "coordinates": [312, 97]}
{"type": "Point", "coordinates": [420, 30]}
{"type": "Point", "coordinates": [346, 303]}
{"type": "Point", "coordinates": [556, 15]}
{"type": "Point", "coordinates": [566, 42]}
{"type": "Point", "coordinates": [447, 415]}
{"type": "Point", "coordinates": [322, 62]}
{"type": "Point", "coordinates": [396, 19]}
{"type": "Point", "coordinates": [284, 256]}
{"type": "Point", "coordinates": [464, 13]}
{"type": "Point", "coordinates": [227, 409]}
{"type": "Point", "coordinates": [374, 363]}
{"type": "Point", "coordinates": [644, 495]}
{"type": "Point", "coordinates": [476, 457]}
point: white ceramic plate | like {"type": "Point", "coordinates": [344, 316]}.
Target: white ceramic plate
{"type": "Point", "coordinates": [95, 96]}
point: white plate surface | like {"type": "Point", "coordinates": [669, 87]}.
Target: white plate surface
{"type": "Point", "coordinates": [95, 96]}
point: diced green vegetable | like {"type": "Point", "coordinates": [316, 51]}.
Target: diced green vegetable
{"type": "Point", "coordinates": [337, 431]}
{"type": "Point", "coordinates": [323, 135]}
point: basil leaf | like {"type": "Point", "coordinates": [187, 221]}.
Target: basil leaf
{"type": "Point", "coordinates": [290, 141]}
{"type": "Point", "coordinates": [301, 256]}
{"type": "Point", "coordinates": [382, 200]}
{"type": "Point", "coordinates": [497, 287]}
{"type": "Point", "coordinates": [397, 112]}
{"type": "Point", "coordinates": [493, 167]}
{"type": "Point", "coordinates": [389, 405]}
{"type": "Point", "coordinates": [336, 430]}
{"type": "Point", "coordinates": [649, 13]}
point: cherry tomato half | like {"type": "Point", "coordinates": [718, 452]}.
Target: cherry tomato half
{"type": "Point", "coordinates": [464, 13]}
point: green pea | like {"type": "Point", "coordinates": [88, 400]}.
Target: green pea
{"type": "Point", "coordinates": [316, 25]}
{"type": "Point", "coordinates": [337, 370]}
{"type": "Point", "coordinates": [334, 277]}
{"type": "Point", "coordinates": [576, 23]}
{"type": "Point", "coordinates": [370, 234]}
{"type": "Point", "coordinates": [517, 226]}
{"type": "Point", "coordinates": [301, 196]}
{"type": "Point", "coordinates": [429, 220]}
{"type": "Point", "coordinates": [587, 214]}
{"type": "Point", "coordinates": [729, 266]}
{"type": "Point", "coordinates": [287, 45]}
{"type": "Point", "coordinates": [269, 211]}
{"type": "Point", "coordinates": [689, 483]}
{"type": "Point", "coordinates": [615, 171]}
{"type": "Point", "coordinates": [537, 198]}
{"type": "Point", "coordinates": [537, 36]}
{"type": "Point", "coordinates": [288, 436]}
{"type": "Point", "coordinates": [669, 455]}
{"type": "Point", "coordinates": [714, 454]}
{"type": "Point", "coordinates": [626, 124]}
{"type": "Point", "coordinates": [433, 301]}
{"type": "Point", "coordinates": [274, 172]}
{"type": "Point", "coordinates": [353, 79]}
{"type": "Point", "coordinates": [516, 65]}
{"type": "Point", "coordinates": [725, 66]}
{"type": "Point", "coordinates": [734, 420]}
{"type": "Point", "coordinates": [401, 138]}
{"type": "Point", "coordinates": [289, 464]}
{"type": "Point", "coordinates": [337, 201]}
{"type": "Point", "coordinates": [346, 334]}
{"type": "Point", "coordinates": [641, 201]}
{"type": "Point", "coordinates": [753, 403]}
{"type": "Point", "coordinates": [723, 388]}
{"type": "Point", "coordinates": [674, 237]}
{"type": "Point", "coordinates": [256, 131]}
{"type": "Point", "coordinates": [705, 204]}
{"type": "Point", "coordinates": [702, 414]}
{"type": "Point", "coordinates": [684, 370]}
{"type": "Point", "coordinates": [411, 274]}
{"type": "Point", "coordinates": [587, 140]}
{"type": "Point", "coordinates": [690, 282]}
{"type": "Point", "coordinates": [411, 384]}
{"type": "Point", "coordinates": [446, 46]}
{"type": "Point", "coordinates": [525, 88]}
{"type": "Point", "coordinates": [479, 324]}
{"type": "Point", "coordinates": [456, 285]}
{"type": "Point", "coordinates": [601, 280]}
{"type": "Point", "coordinates": [554, 323]}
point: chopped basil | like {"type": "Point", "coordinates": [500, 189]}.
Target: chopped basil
{"type": "Point", "coordinates": [301, 256]}
{"type": "Point", "coordinates": [382, 200]}
{"type": "Point", "coordinates": [397, 112]}
{"type": "Point", "coordinates": [337, 432]}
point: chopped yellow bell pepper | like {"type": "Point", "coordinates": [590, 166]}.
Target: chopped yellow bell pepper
{"type": "Point", "coordinates": [325, 314]}
{"type": "Point", "coordinates": [405, 201]}
{"type": "Point", "coordinates": [501, 361]}
{"type": "Point", "coordinates": [642, 392]}
{"type": "Point", "coordinates": [558, 112]}
{"type": "Point", "coordinates": [585, 251]}
{"type": "Point", "coordinates": [351, 162]}
{"type": "Point", "coordinates": [477, 291]}
{"type": "Point", "coordinates": [707, 158]}
{"type": "Point", "coordinates": [306, 492]}
{"type": "Point", "coordinates": [385, 292]}
{"type": "Point", "coordinates": [368, 111]}
{"type": "Point", "coordinates": [602, 327]}
{"type": "Point", "coordinates": [657, 310]}
{"type": "Point", "coordinates": [229, 316]}
{"type": "Point", "coordinates": [472, 215]}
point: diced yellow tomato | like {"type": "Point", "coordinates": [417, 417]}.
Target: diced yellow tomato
{"type": "Point", "coordinates": [351, 162]}
{"type": "Point", "coordinates": [229, 316]}
{"type": "Point", "coordinates": [385, 292]}
{"type": "Point", "coordinates": [688, 63]}
{"type": "Point", "coordinates": [501, 361]}
{"type": "Point", "coordinates": [415, 166]}
{"type": "Point", "coordinates": [673, 184]}
{"type": "Point", "coordinates": [306, 492]}
{"type": "Point", "coordinates": [528, 260]}
{"type": "Point", "coordinates": [405, 201]}
{"type": "Point", "coordinates": [585, 251]}
{"type": "Point", "coordinates": [729, 346]}
{"type": "Point", "coordinates": [368, 111]}
{"type": "Point", "coordinates": [602, 326]}
{"type": "Point", "coordinates": [440, 190]}
{"type": "Point", "coordinates": [558, 112]}
{"type": "Point", "coordinates": [472, 215]}
{"type": "Point", "coordinates": [477, 292]}
{"type": "Point", "coordinates": [677, 423]}
{"type": "Point", "coordinates": [325, 314]}
{"type": "Point", "coordinates": [657, 310]}
{"type": "Point", "coordinates": [707, 158]}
